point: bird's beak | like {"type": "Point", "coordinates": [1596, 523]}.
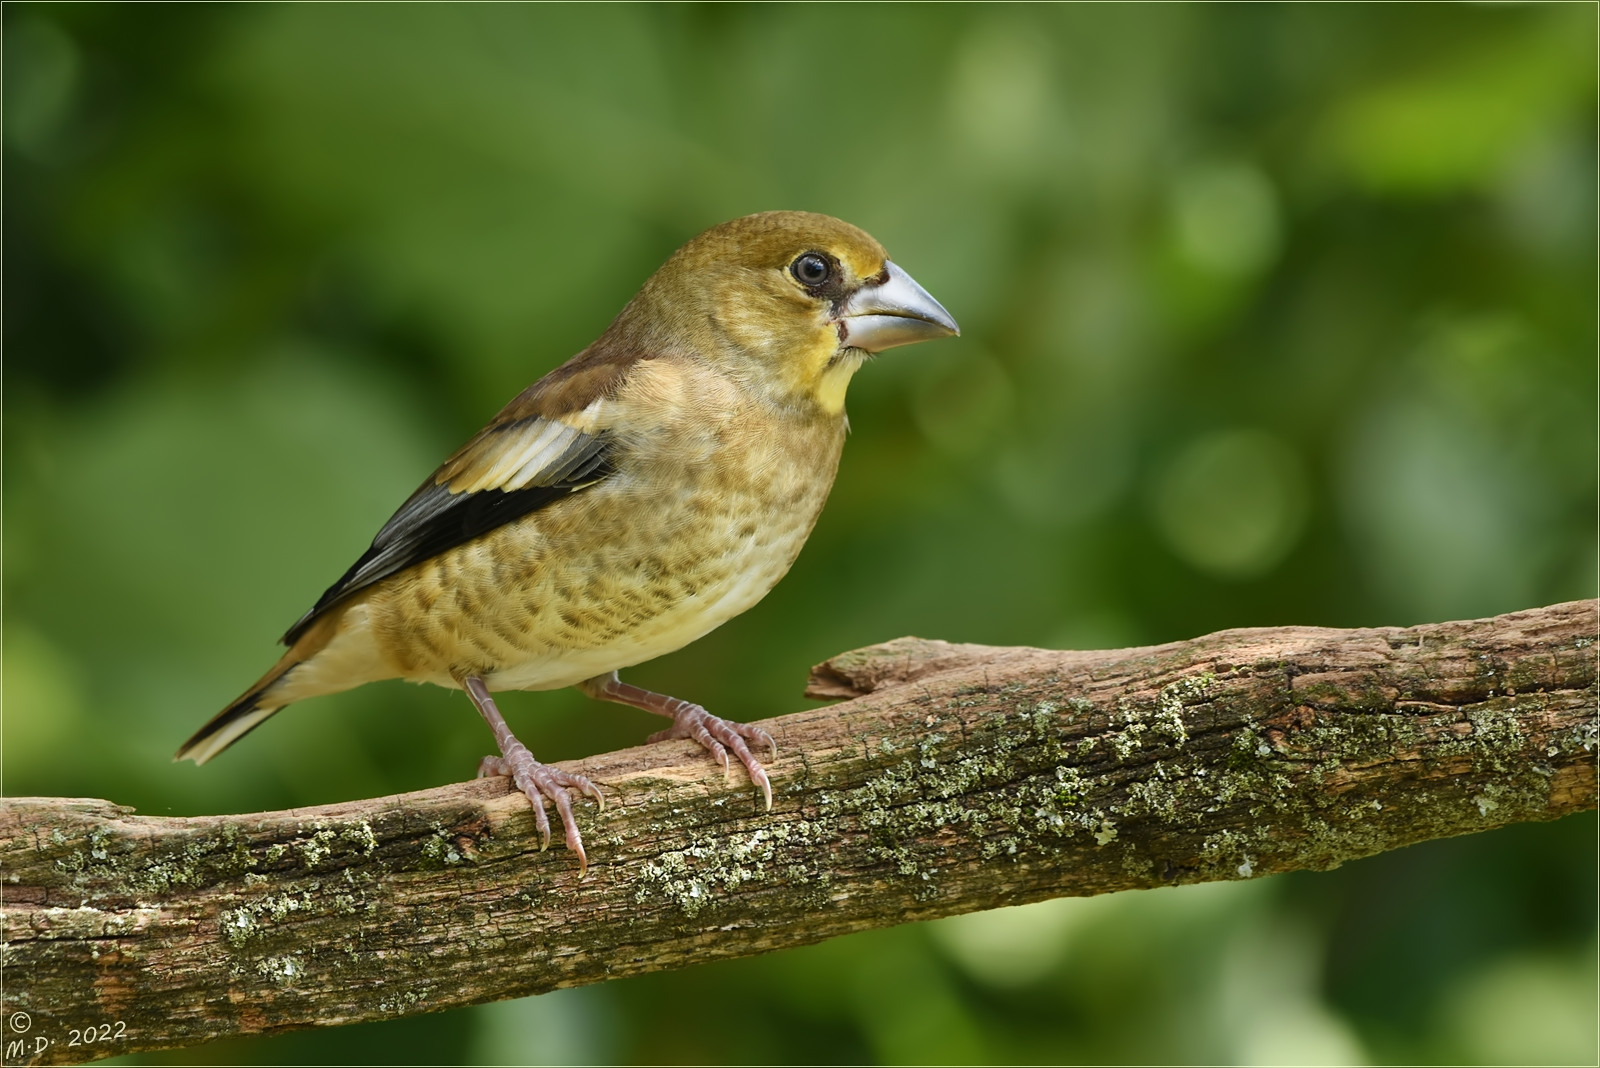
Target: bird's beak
{"type": "Point", "coordinates": [895, 311]}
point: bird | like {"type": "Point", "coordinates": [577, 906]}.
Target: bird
{"type": "Point", "coordinates": [643, 493]}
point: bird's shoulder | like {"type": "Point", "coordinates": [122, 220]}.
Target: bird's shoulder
{"type": "Point", "coordinates": [573, 404]}
{"type": "Point", "coordinates": [606, 391]}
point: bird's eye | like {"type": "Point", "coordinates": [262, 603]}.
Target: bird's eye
{"type": "Point", "coordinates": [811, 270]}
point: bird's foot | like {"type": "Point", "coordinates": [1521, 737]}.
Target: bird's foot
{"type": "Point", "coordinates": [717, 735]}
{"type": "Point", "coordinates": [537, 781]}
{"type": "Point", "coordinates": [540, 782]}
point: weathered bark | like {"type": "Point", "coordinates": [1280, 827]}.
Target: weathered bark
{"type": "Point", "coordinates": [953, 778]}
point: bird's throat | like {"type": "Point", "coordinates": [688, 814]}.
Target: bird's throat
{"type": "Point", "coordinates": [835, 379]}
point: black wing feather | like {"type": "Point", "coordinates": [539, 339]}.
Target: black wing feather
{"type": "Point", "coordinates": [434, 520]}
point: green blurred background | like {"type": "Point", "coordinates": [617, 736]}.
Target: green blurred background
{"type": "Point", "coordinates": [1272, 314]}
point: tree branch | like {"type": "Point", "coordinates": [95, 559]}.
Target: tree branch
{"type": "Point", "coordinates": [952, 778]}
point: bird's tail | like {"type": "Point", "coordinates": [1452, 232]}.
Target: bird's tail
{"type": "Point", "coordinates": [241, 717]}
{"type": "Point", "coordinates": [259, 702]}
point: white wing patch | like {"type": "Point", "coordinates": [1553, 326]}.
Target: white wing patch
{"type": "Point", "coordinates": [532, 450]}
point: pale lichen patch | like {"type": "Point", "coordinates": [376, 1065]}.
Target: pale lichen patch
{"type": "Point", "coordinates": [692, 878]}
{"type": "Point", "coordinates": [315, 848]}
{"type": "Point", "coordinates": [1177, 695]}
{"type": "Point", "coordinates": [280, 970]}
{"type": "Point", "coordinates": [440, 847]}
{"type": "Point", "coordinates": [247, 921]}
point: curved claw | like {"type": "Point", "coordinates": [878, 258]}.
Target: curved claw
{"type": "Point", "coordinates": [759, 776]}
{"type": "Point", "coordinates": [589, 789]}
{"type": "Point", "coordinates": [541, 818]}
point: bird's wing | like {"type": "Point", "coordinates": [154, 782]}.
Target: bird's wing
{"type": "Point", "coordinates": [525, 460]}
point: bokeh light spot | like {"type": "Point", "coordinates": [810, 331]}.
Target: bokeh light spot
{"type": "Point", "coordinates": [1232, 502]}
{"type": "Point", "coordinates": [1226, 218]}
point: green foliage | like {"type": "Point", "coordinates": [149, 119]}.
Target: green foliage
{"type": "Point", "coordinates": [1272, 314]}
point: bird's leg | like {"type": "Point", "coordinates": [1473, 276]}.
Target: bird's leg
{"type": "Point", "coordinates": [715, 734]}
{"type": "Point", "coordinates": [538, 781]}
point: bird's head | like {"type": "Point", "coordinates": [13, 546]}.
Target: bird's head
{"type": "Point", "coordinates": [788, 302]}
